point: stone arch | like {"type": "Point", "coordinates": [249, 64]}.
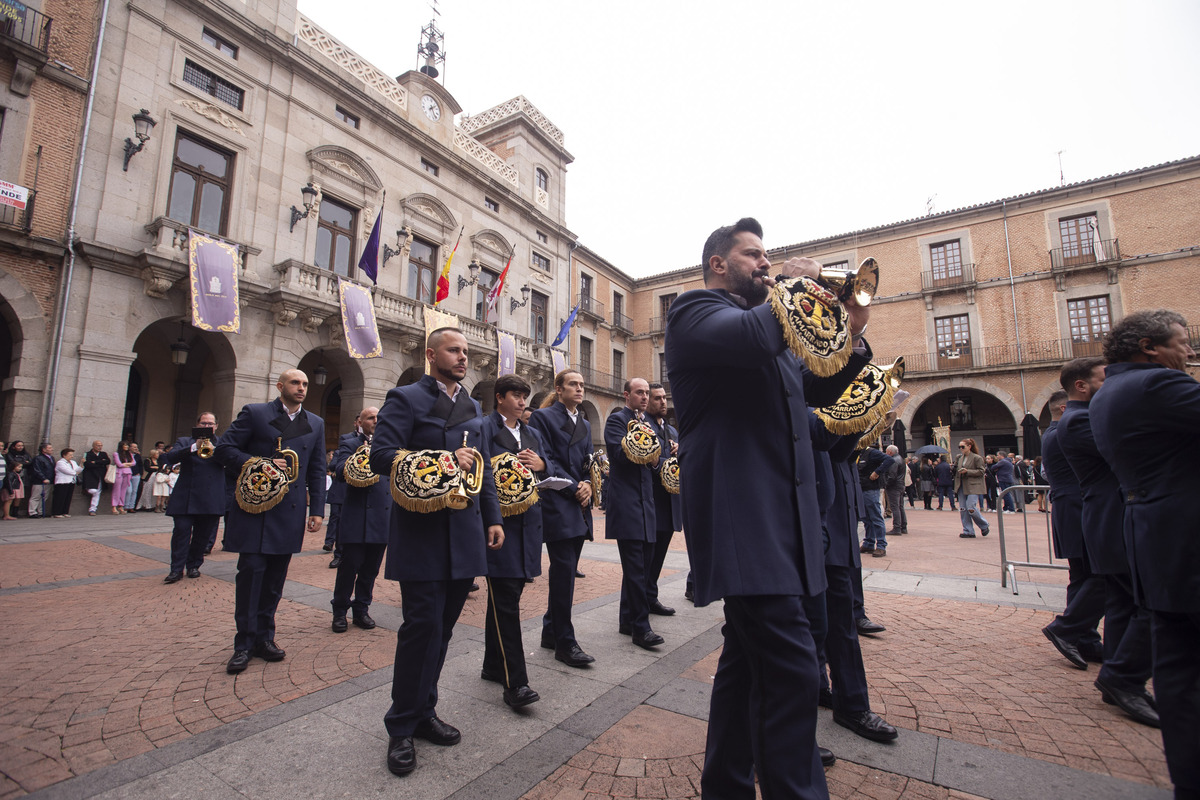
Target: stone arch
{"type": "Point", "coordinates": [410, 375]}
{"type": "Point", "coordinates": [593, 417]}
{"type": "Point", "coordinates": [490, 247]}
{"type": "Point", "coordinates": [1041, 402]}
{"type": "Point", "coordinates": [536, 400]}
{"type": "Point", "coordinates": [338, 162]}
{"type": "Point", "coordinates": [482, 392]}
{"type": "Point", "coordinates": [343, 384]}
{"type": "Point", "coordinates": [428, 209]}
{"type": "Point", "coordinates": [921, 395]}
{"type": "Point", "coordinates": [23, 381]}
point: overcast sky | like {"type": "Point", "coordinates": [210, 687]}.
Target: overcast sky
{"type": "Point", "coordinates": [817, 118]}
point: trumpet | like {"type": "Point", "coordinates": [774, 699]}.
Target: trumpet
{"type": "Point", "coordinates": [291, 457]}
{"type": "Point", "coordinates": [861, 284]}
{"type": "Point", "coordinates": [204, 445]}
{"type": "Point", "coordinates": [460, 496]}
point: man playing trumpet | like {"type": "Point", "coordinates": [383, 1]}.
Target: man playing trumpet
{"type": "Point", "coordinates": [198, 500]}
{"type": "Point", "coordinates": [434, 554]}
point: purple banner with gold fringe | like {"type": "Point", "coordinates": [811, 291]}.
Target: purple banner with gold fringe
{"type": "Point", "coordinates": [212, 274]}
{"type": "Point", "coordinates": [358, 320]}
{"type": "Point", "coordinates": [560, 360]}
{"type": "Point", "coordinates": [508, 353]}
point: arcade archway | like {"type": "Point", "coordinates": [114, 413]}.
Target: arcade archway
{"type": "Point", "coordinates": [970, 413]}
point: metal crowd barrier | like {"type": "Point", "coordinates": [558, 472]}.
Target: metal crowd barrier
{"type": "Point", "coordinates": [1008, 572]}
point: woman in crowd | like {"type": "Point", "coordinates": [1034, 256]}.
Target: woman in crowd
{"type": "Point", "coordinates": [927, 482]}
{"type": "Point", "coordinates": [17, 454]}
{"type": "Point", "coordinates": [13, 489]}
{"type": "Point", "coordinates": [162, 488]}
{"type": "Point", "coordinates": [149, 470]}
{"type": "Point", "coordinates": [122, 457]}
{"type": "Point", "coordinates": [993, 488]}
{"type": "Point", "coordinates": [66, 471]}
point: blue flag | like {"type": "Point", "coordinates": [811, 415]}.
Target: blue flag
{"type": "Point", "coordinates": [369, 263]}
{"type": "Point", "coordinates": [566, 328]}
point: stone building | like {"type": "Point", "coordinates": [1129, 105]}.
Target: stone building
{"type": "Point", "coordinates": [46, 52]}
{"type": "Point", "coordinates": [986, 303]}
{"type": "Point", "coordinates": [253, 105]}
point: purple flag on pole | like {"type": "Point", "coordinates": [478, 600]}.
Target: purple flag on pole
{"type": "Point", "coordinates": [508, 353]}
{"type": "Point", "coordinates": [358, 320]}
{"type": "Point", "coordinates": [560, 360]}
{"type": "Point", "coordinates": [369, 263]}
{"type": "Point", "coordinates": [212, 274]}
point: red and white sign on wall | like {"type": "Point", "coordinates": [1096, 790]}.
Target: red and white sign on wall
{"type": "Point", "coordinates": [13, 195]}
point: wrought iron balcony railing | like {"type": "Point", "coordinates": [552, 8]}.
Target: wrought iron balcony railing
{"type": "Point", "coordinates": [622, 322]}
{"type": "Point", "coordinates": [1085, 253]}
{"type": "Point", "coordinates": [960, 277]}
{"type": "Point", "coordinates": [27, 26]}
{"type": "Point", "coordinates": [590, 306]}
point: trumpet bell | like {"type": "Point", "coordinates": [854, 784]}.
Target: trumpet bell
{"type": "Point", "coordinates": [861, 284]}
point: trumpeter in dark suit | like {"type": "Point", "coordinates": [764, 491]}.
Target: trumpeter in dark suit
{"type": "Point", "coordinates": [566, 513]}
{"type": "Point", "coordinates": [668, 513]}
{"type": "Point", "coordinates": [521, 557]}
{"type": "Point", "coordinates": [753, 473]}
{"type": "Point", "coordinates": [1072, 632]}
{"type": "Point", "coordinates": [849, 700]}
{"type": "Point", "coordinates": [266, 541]}
{"type": "Point", "coordinates": [629, 515]}
{"type": "Point", "coordinates": [1127, 662]}
{"type": "Point", "coordinates": [434, 555]}
{"type": "Point", "coordinates": [1146, 420]}
{"type": "Point", "coordinates": [196, 503]}
{"type": "Point", "coordinates": [363, 534]}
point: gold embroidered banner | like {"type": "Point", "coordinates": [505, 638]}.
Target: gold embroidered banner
{"type": "Point", "coordinates": [212, 276]}
{"type": "Point", "coordinates": [435, 319]}
{"type": "Point", "coordinates": [358, 321]}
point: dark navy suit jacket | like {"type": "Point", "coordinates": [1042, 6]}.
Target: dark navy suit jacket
{"type": "Point", "coordinates": [1146, 420]}
{"type": "Point", "coordinates": [569, 445]}
{"type": "Point", "coordinates": [1066, 510]}
{"type": "Point", "coordinates": [446, 544]}
{"type": "Point", "coordinates": [201, 485]}
{"type": "Point", "coordinates": [668, 512]}
{"type": "Point", "coordinates": [750, 510]}
{"type": "Point", "coordinates": [629, 510]}
{"type": "Point", "coordinates": [1103, 507]}
{"type": "Point", "coordinates": [255, 433]}
{"type": "Point", "coordinates": [841, 522]}
{"type": "Point", "coordinates": [521, 555]}
{"type": "Point", "coordinates": [366, 511]}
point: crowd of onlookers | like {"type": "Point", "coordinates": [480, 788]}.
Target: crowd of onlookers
{"type": "Point", "coordinates": [42, 484]}
{"type": "Point", "coordinates": [932, 477]}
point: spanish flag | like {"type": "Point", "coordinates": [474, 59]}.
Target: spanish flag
{"type": "Point", "coordinates": [443, 283]}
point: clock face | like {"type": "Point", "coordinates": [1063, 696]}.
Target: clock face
{"type": "Point", "coordinates": [431, 107]}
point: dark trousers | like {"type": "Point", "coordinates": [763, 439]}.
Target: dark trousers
{"type": "Point", "coordinates": [1177, 690]}
{"type": "Point", "coordinates": [860, 609]}
{"type": "Point", "coordinates": [942, 493]}
{"type": "Point", "coordinates": [662, 543]}
{"type": "Point", "coordinates": [896, 502]}
{"type": "Point", "coordinates": [841, 647]}
{"type": "Point", "coordinates": [564, 558]}
{"type": "Point", "coordinates": [332, 526]}
{"type": "Point", "coordinates": [503, 650]}
{"type": "Point", "coordinates": [636, 556]}
{"type": "Point", "coordinates": [431, 609]}
{"type": "Point", "coordinates": [62, 499]}
{"type": "Point", "coordinates": [189, 538]}
{"type": "Point", "coordinates": [1127, 658]}
{"type": "Point", "coordinates": [763, 714]}
{"type": "Point", "coordinates": [1010, 499]}
{"type": "Point", "coordinates": [1085, 605]}
{"type": "Point", "coordinates": [911, 493]}
{"type": "Point", "coordinates": [357, 572]}
{"type": "Point", "coordinates": [928, 498]}
{"type": "Point", "coordinates": [257, 589]}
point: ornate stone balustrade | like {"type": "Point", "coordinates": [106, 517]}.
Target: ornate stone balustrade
{"type": "Point", "coordinates": [346, 59]}
{"type": "Point", "coordinates": [486, 157]}
{"type": "Point", "coordinates": [542, 198]}
{"type": "Point", "coordinates": [171, 241]}
{"type": "Point", "coordinates": [515, 106]}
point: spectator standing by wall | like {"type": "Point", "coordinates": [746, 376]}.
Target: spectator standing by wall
{"type": "Point", "coordinates": [41, 483]}
{"type": "Point", "coordinates": [95, 464]}
{"type": "Point", "coordinates": [66, 472]}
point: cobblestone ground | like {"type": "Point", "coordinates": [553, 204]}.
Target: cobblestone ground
{"type": "Point", "coordinates": [95, 672]}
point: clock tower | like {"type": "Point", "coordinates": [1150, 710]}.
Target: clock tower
{"type": "Point", "coordinates": [429, 104]}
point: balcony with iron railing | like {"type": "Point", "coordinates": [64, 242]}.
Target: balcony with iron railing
{"type": "Point", "coordinates": [960, 276]}
{"type": "Point", "coordinates": [25, 28]}
{"type": "Point", "coordinates": [590, 307]}
{"type": "Point", "coordinates": [1085, 254]}
{"type": "Point", "coordinates": [622, 323]}
{"type": "Point", "coordinates": [657, 324]}
{"type": "Point", "coordinates": [604, 381]}
{"type": "Point", "coordinates": [18, 219]}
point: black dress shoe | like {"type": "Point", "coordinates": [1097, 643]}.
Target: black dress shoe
{"type": "Point", "coordinates": [867, 724]}
{"type": "Point", "coordinates": [267, 651]}
{"type": "Point", "coordinates": [327, 547]}
{"type": "Point", "coordinates": [402, 756]}
{"type": "Point", "coordinates": [1132, 703]}
{"type": "Point", "coordinates": [335, 562]}
{"type": "Point", "coordinates": [579, 574]}
{"type": "Point", "coordinates": [825, 698]}
{"type": "Point", "coordinates": [966, 536]}
{"type": "Point", "coordinates": [548, 642]}
{"type": "Point", "coordinates": [1068, 650]}
{"type": "Point", "coordinates": [867, 627]}
{"type": "Point", "coordinates": [193, 573]}
{"type": "Point", "coordinates": [573, 656]}
{"type": "Point", "coordinates": [174, 577]}
{"type": "Point", "coordinates": [647, 641]}
{"type": "Point", "coordinates": [663, 611]}
{"type": "Point", "coordinates": [625, 629]}
{"type": "Point", "coordinates": [520, 696]}
{"type": "Point", "coordinates": [487, 675]}
{"type": "Point", "coordinates": [364, 621]}
{"type": "Point", "coordinates": [435, 731]}
{"type": "Point", "coordinates": [239, 662]}
{"type": "Point", "coordinates": [339, 623]}
{"type": "Point", "coordinates": [828, 759]}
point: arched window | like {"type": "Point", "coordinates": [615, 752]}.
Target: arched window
{"type": "Point", "coordinates": [543, 180]}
